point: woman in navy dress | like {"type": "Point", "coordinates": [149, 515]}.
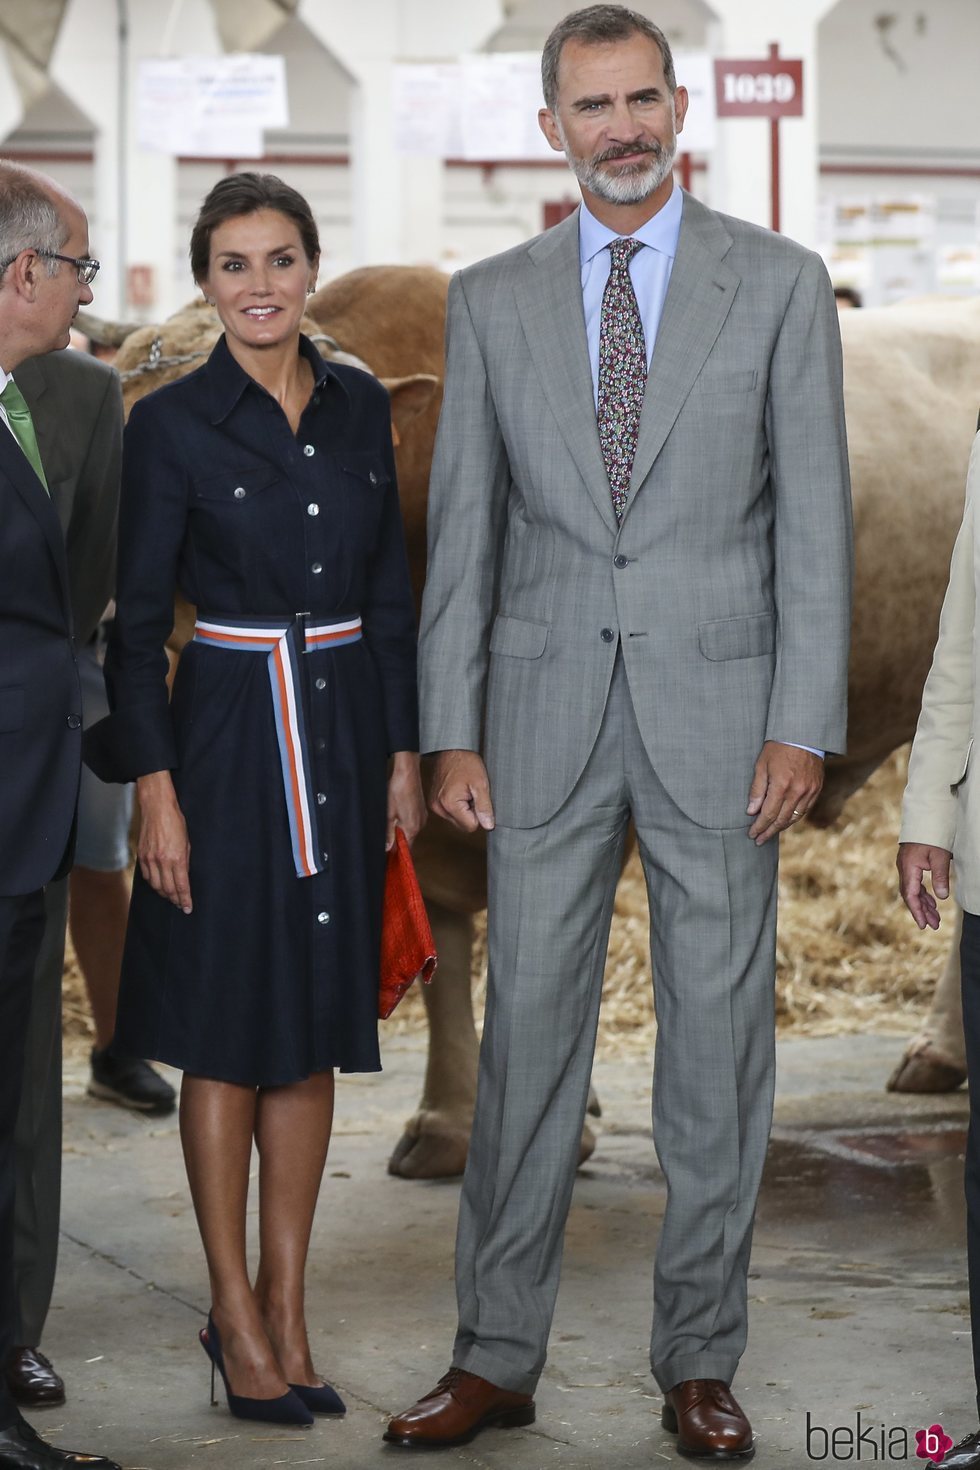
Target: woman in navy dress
{"type": "Point", "coordinates": [263, 487]}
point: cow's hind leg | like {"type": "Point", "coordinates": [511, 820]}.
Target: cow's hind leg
{"type": "Point", "coordinates": [436, 1139]}
{"type": "Point", "coordinates": [935, 1060]}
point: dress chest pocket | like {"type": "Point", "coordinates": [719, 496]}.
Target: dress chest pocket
{"type": "Point", "coordinates": [234, 488]}
{"type": "Point", "coordinates": [363, 479]}
{"type": "Point", "coordinates": [366, 470]}
{"type": "Point", "coordinates": [244, 517]}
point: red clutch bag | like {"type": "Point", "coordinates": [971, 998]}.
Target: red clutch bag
{"type": "Point", "coordinates": [407, 949]}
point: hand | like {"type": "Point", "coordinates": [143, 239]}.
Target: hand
{"type": "Point", "coordinates": [786, 783]}
{"type": "Point", "coordinates": [461, 790]}
{"type": "Point", "coordinates": [914, 859]}
{"type": "Point", "coordinates": [163, 851]}
{"type": "Point", "coordinates": [406, 803]}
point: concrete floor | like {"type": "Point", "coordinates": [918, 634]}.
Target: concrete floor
{"type": "Point", "coordinates": [858, 1289]}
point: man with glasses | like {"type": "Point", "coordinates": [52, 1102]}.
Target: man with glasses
{"type": "Point", "coordinates": [46, 271]}
{"type": "Point", "coordinates": [76, 408]}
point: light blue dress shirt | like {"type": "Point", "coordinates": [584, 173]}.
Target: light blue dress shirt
{"type": "Point", "coordinates": [649, 271]}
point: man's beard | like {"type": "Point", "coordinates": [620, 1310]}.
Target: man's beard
{"type": "Point", "coordinates": [630, 185]}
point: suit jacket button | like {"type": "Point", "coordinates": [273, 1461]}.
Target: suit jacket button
{"type": "Point", "coordinates": [621, 561]}
{"type": "Point", "coordinates": [74, 722]}
{"type": "Point", "coordinates": [607, 635]}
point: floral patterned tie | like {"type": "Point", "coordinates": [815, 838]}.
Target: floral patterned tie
{"type": "Point", "coordinates": [622, 372]}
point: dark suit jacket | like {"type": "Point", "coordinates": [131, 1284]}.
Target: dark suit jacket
{"type": "Point", "coordinates": [76, 404]}
{"type": "Point", "coordinates": [78, 427]}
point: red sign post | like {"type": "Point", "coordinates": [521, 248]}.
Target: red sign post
{"type": "Point", "coordinates": [772, 89]}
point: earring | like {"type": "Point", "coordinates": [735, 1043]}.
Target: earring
{"type": "Point", "coordinates": [209, 301]}
{"type": "Point", "coordinates": [310, 290]}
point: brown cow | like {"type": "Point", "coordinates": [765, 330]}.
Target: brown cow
{"type": "Point", "coordinates": [912, 381]}
{"type": "Point", "coordinates": [912, 390]}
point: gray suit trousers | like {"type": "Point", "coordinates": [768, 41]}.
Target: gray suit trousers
{"type": "Point", "coordinates": [37, 1144]}
{"type": "Point", "coordinates": [712, 900]}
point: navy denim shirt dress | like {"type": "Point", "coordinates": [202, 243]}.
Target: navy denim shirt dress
{"type": "Point", "coordinates": [272, 976]}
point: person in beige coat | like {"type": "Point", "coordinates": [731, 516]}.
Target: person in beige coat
{"type": "Point", "coordinates": [940, 826]}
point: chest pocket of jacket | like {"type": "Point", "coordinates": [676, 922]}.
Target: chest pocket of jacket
{"type": "Point", "coordinates": [11, 709]}
{"type": "Point", "coordinates": [744, 380]}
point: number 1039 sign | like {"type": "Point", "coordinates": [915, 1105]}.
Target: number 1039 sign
{"type": "Point", "coordinates": [771, 88]}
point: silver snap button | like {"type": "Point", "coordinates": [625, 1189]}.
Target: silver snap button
{"type": "Point", "coordinates": [239, 492]}
{"type": "Point", "coordinates": [373, 478]}
{"type": "Point", "coordinates": [323, 918]}
{"type": "Point", "coordinates": [321, 798]}
{"type": "Point", "coordinates": [324, 857]}
{"type": "Point", "coordinates": [309, 451]}
{"type": "Point", "coordinates": [313, 509]}
{"type": "Point", "coordinates": [321, 683]}
{"type": "Point", "coordinates": [317, 568]}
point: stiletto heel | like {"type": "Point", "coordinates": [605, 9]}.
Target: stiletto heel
{"type": "Point", "coordinates": [320, 1399]}
{"type": "Point", "coordinates": [288, 1408]}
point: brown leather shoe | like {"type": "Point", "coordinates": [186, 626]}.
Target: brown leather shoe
{"type": "Point", "coordinates": [32, 1380]}
{"type": "Point", "coordinates": [460, 1405]}
{"type": "Point", "coordinates": [707, 1421]}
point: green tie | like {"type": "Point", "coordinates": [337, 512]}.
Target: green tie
{"type": "Point", "coordinates": [22, 426]}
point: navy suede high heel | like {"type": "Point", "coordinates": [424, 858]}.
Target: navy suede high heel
{"type": "Point", "coordinates": [320, 1399]}
{"type": "Point", "coordinates": [288, 1408]}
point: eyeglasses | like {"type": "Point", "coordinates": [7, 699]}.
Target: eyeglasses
{"type": "Point", "coordinates": [87, 268]}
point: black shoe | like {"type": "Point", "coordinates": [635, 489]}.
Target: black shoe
{"type": "Point", "coordinates": [130, 1082]}
{"type": "Point", "coordinates": [963, 1456]}
{"type": "Point", "coordinates": [21, 1448]}
{"type": "Point", "coordinates": [31, 1379]}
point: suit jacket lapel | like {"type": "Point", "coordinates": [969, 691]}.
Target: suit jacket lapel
{"type": "Point", "coordinates": [16, 468]}
{"type": "Point", "coordinates": [549, 301]}
{"type": "Point", "coordinates": [699, 298]}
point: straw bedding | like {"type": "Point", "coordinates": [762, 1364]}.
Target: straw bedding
{"type": "Point", "coordinates": [849, 957]}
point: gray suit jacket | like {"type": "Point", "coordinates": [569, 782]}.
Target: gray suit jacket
{"type": "Point", "coordinates": [728, 582]}
{"type": "Point", "coordinates": [76, 405]}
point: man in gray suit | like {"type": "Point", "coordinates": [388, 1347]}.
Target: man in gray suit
{"type": "Point", "coordinates": [76, 406]}
{"type": "Point", "coordinates": [637, 606]}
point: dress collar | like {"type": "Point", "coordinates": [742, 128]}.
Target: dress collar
{"type": "Point", "coordinates": [228, 380]}
{"type": "Point", "coordinates": [660, 232]}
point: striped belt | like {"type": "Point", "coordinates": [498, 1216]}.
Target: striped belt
{"type": "Point", "coordinates": [283, 643]}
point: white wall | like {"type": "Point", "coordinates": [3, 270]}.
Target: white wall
{"type": "Point", "coordinates": [922, 100]}
{"type": "Point", "coordinates": [914, 109]}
